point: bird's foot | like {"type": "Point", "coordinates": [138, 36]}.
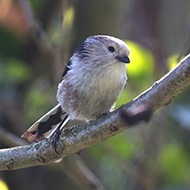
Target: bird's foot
{"type": "Point", "coordinates": [55, 139]}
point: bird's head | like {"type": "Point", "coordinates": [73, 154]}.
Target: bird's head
{"type": "Point", "coordinates": [103, 50]}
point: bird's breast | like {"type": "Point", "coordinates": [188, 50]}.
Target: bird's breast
{"type": "Point", "coordinates": [93, 94]}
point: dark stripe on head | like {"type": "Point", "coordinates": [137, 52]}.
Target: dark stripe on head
{"type": "Point", "coordinates": [82, 50]}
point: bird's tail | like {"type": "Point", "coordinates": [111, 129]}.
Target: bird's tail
{"type": "Point", "coordinates": [46, 125]}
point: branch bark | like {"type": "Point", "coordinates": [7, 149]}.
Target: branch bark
{"type": "Point", "coordinates": [77, 138]}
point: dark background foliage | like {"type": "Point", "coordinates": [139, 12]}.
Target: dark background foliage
{"type": "Point", "coordinates": [36, 42]}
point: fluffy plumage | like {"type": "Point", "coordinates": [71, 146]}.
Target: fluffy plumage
{"type": "Point", "coordinates": [92, 82]}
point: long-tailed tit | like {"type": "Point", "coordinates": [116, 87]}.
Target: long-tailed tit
{"type": "Point", "coordinates": [92, 82]}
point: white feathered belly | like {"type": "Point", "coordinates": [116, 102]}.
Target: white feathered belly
{"type": "Point", "coordinates": [88, 98]}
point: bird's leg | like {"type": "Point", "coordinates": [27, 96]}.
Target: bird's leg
{"type": "Point", "coordinates": [57, 133]}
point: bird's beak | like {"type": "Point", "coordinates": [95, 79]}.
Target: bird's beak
{"type": "Point", "coordinates": [124, 59]}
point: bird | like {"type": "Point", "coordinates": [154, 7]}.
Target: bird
{"type": "Point", "coordinates": [92, 81]}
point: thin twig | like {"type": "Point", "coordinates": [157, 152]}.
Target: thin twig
{"type": "Point", "coordinates": [75, 168]}
{"type": "Point", "coordinates": [10, 139]}
{"type": "Point", "coordinates": [39, 34]}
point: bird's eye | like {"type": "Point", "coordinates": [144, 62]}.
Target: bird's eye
{"type": "Point", "coordinates": [111, 48]}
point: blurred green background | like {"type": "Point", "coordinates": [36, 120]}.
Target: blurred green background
{"type": "Point", "coordinates": [37, 39]}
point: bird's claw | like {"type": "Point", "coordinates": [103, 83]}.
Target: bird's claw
{"type": "Point", "coordinates": [55, 139]}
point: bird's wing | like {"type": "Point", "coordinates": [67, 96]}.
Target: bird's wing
{"type": "Point", "coordinates": [67, 68]}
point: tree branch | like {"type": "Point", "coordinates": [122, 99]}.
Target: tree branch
{"type": "Point", "coordinates": [38, 33]}
{"type": "Point", "coordinates": [77, 138]}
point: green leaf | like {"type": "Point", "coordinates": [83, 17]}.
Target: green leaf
{"type": "Point", "coordinates": [173, 60]}
{"type": "Point", "coordinates": [35, 104]}
{"type": "Point", "coordinates": [123, 146]}
{"type": "Point", "coordinates": [9, 45]}
{"type": "Point", "coordinates": [124, 97]}
{"type": "Point", "coordinates": [3, 185]}
{"type": "Point", "coordinates": [37, 5]}
{"type": "Point", "coordinates": [141, 61]}
{"type": "Point", "coordinates": [97, 152]}
{"type": "Point", "coordinates": [174, 164]}
{"type": "Point", "coordinates": [16, 71]}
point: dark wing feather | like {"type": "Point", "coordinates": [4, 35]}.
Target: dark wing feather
{"type": "Point", "coordinates": [44, 124]}
{"type": "Point", "coordinates": [67, 68]}
{"type": "Point", "coordinates": [47, 125]}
